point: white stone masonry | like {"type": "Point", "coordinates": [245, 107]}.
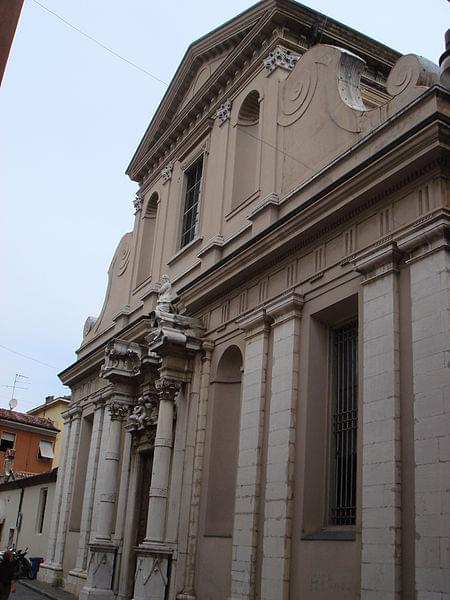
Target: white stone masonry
{"type": "Point", "coordinates": [430, 307]}
{"type": "Point", "coordinates": [381, 504]}
{"type": "Point", "coordinates": [279, 492]}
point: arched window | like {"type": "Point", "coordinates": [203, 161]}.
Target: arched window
{"type": "Point", "coordinates": [147, 238]}
{"type": "Point", "coordinates": [246, 150]}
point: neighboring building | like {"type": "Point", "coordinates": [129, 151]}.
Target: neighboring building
{"type": "Point", "coordinates": [273, 420]}
{"type": "Point", "coordinates": [26, 444]}
{"type": "Point", "coordinates": [53, 409]}
{"type": "Point", "coordinates": [9, 16]}
{"type": "Point", "coordinates": [25, 510]}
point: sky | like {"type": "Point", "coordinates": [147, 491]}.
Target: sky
{"type": "Point", "coordinates": [71, 116]}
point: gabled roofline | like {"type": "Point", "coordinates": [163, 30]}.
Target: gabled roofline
{"type": "Point", "coordinates": [242, 24]}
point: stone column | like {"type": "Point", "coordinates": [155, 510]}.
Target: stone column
{"type": "Point", "coordinates": [67, 491]}
{"type": "Point", "coordinates": [248, 484]}
{"type": "Point", "coordinates": [48, 571]}
{"type": "Point", "coordinates": [429, 260]}
{"type": "Point", "coordinates": [126, 575]}
{"type": "Point", "coordinates": [88, 500]}
{"type": "Point", "coordinates": [380, 421]}
{"type": "Point", "coordinates": [188, 592]}
{"type": "Point", "coordinates": [286, 313]}
{"type": "Point", "coordinates": [103, 548]}
{"type": "Point", "coordinates": [153, 554]}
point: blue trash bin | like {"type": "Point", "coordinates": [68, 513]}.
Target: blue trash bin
{"type": "Point", "coordinates": [35, 563]}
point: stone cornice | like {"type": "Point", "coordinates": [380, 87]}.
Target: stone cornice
{"type": "Point", "coordinates": [90, 362]}
{"type": "Point", "coordinates": [350, 192]}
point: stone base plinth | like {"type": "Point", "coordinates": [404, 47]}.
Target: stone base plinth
{"type": "Point", "coordinates": [75, 581]}
{"type": "Point", "coordinates": [51, 573]}
{"type": "Point", "coordinates": [152, 566]}
{"type": "Point", "coordinates": [88, 593]}
{"type": "Point", "coordinates": [100, 571]}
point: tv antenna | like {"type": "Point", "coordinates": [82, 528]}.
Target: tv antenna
{"type": "Point", "coordinates": [16, 386]}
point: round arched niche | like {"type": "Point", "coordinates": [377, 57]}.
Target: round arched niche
{"type": "Point", "coordinates": [229, 367]}
{"type": "Point", "coordinates": [224, 426]}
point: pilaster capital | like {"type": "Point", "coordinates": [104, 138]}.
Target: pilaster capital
{"type": "Point", "coordinates": [427, 235]}
{"type": "Point", "coordinates": [378, 261]}
{"type": "Point", "coordinates": [207, 349]}
{"type": "Point", "coordinates": [280, 57]}
{"type": "Point", "coordinates": [166, 173]}
{"type": "Point", "coordinates": [137, 202]}
{"type": "Point", "coordinates": [72, 414]}
{"type": "Point", "coordinates": [255, 322]}
{"type": "Point", "coordinates": [118, 410]}
{"type": "Point", "coordinates": [223, 113]}
{"type": "Point", "coordinates": [286, 307]}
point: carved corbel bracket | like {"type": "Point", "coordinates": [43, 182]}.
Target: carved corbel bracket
{"type": "Point", "coordinates": [122, 360]}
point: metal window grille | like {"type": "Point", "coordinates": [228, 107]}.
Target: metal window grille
{"type": "Point", "coordinates": [345, 422]}
{"type": "Point", "coordinates": [190, 214]}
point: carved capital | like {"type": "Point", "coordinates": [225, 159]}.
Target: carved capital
{"type": "Point", "coordinates": [137, 202]}
{"type": "Point", "coordinates": [255, 322]}
{"type": "Point", "coordinates": [118, 411]}
{"type": "Point", "coordinates": [280, 57]}
{"type": "Point", "coordinates": [167, 389]}
{"type": "Point", "coordinates": [223, 113]}
{"type": "Point", "coordinates": [166, 173]}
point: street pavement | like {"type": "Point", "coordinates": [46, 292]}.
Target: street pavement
{"type": "Point", "coordinates": [25, 593]}
{"type": "Point", "coordinates": [37, 590]}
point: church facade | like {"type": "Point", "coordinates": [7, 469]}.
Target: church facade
{"type": "Point", "coordinates": [261, 409]}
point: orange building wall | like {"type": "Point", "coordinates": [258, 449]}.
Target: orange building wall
{"type": "Point", "coordinates": [27, 448]}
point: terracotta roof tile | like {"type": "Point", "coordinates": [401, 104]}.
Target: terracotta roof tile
{"type": "Point", "coordinates": [18, 417]}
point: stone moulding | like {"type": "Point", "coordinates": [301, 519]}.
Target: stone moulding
{"type": "Point", "coordinates": [280, 57]}
{"type": "Point", "coordinates": [166, 173]}
{"type": "Point", "coordinates": [223, 113]}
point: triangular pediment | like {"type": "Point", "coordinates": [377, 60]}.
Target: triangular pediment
{"type": "Point", "coordinates": [202, 60]}
{"type": "Point", "coordinates": [212, 62]}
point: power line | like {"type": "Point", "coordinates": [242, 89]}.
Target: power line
{"type": "Point", "coordinates": [92, 39]}
{"type": "Point", "coordinates": [29, 357]}
{"type": "Point", "coordinates": [117, 55]}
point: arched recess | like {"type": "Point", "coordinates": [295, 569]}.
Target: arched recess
{"type": "Point", "coordinates": [246, 149]}
{"type": "Point", "coordinates": [148, 230]}
{"type": "Point", "coordinates": [214, 565]}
